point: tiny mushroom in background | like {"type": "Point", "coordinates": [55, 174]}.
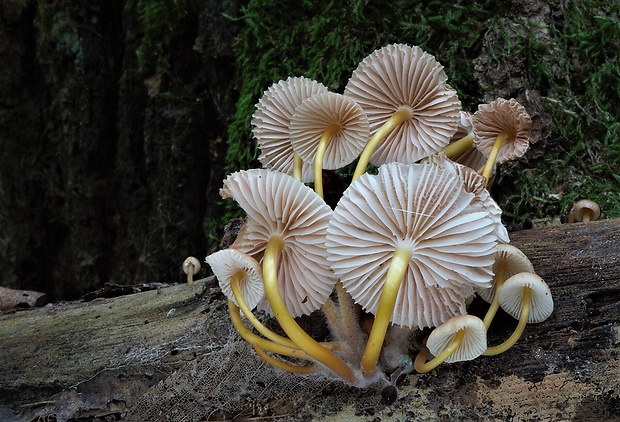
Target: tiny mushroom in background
{"type": "Point", "coordinates": [271, 120]}
{"type": "Point", "coordinates": [501, 132]}
{"type": "Point", "coordinates": [328, 130]}
{"type": "Point", "coordinates": [461, 338]}
{"type": "Point", "coordinates": [411, 109]}
{"type": "Point", "coordinates": [191, 267]}
{"type": "Point", "coordinates": [409, 247]}
{"type": "Point", "coordinates": [285, 229]}
{"type": "Point", "coordinates": [526, 297]}
{"type": "Point", "coordinates": [584, 211]}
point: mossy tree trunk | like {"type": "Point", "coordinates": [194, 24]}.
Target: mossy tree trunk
{"type": "Point", "coordinates": [113, 117]}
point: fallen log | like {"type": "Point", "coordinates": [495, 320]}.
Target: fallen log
{"type": "Point", "coordinates": [171, 354]}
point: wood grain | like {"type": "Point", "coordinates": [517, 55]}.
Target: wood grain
{"type": "Point", "coordinates": [107, 353]}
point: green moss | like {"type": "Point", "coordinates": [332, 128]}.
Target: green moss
{"type": "Point", "coordinates": [574, 67]}
{"type": "Point", "coordinates": [159, 18]}
{"type": "Point", "coordinates": [325, 41]}
{"type": "Point", "coordinates": [578, 74]}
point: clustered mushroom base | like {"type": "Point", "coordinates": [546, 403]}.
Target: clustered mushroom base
{"type": "Point", "coordinates": [409, 246]}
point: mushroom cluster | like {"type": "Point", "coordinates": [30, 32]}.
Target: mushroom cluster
{"type": "Point", "coordinates": [404, 249]}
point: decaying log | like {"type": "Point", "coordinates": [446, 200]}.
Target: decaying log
{"type": "Point", "coordinates": [151, 355]}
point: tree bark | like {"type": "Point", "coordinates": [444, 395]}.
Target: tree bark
{"type": "Point", "coordinates": [153, 355]}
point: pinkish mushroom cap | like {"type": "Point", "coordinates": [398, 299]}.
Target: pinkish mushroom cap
{"type": "Point", "coordinates": [476, 184]}
{"type": "Point", "coordinates": [502, 116]}
{"type": "Point", "coordinates": [318, 113]}
{"type": "Point", "coordinates": [271, 120]}
{"type": "Point", "coordinates": [400, 76]}
{"type": "Point", "coordinates": [228, 262]}
{"type": "Point", "coordinates": [278, 204]}
{"type": "Point", "coordinates": [427, 209]}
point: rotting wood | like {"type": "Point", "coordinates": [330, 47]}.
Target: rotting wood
{"type": "Point", "coordinates": [107, 353]}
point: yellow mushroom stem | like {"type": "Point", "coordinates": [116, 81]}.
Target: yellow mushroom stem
{"type": "Point", "coordinates": [333, 129]}
{"type": "Point", "coordinates": [234, 285]}
{"type": "Point", "coordinates": [401, 115]}
{"type": "Point", "coordinates": [500, 277]}
{"type": "Point", "coordinates": [296, 369]}
{"type": "Point", "coordinates": [459, 147]}
{"type": "Point", "coordinates": [297, 166]}
{"type": "Point", "coordinates": [525, 313]}
{"type": "Point", "coordinates": [394, 277]}
{"type": "Point", "coordinates": [247, 312]}
{"type": "Point", "coordinates": [488, 167]}
{"type": "Point", "coordinates": [422, 366]}
{"type": "Point", "coordinates": [253, 339]}
{"type": "Point", "coordinates": [286, 321]}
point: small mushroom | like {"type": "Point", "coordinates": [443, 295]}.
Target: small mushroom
{"type": "Point", "coordinates": [411, 109]}
{"type": "Point", "coordinates": [459, 339]}
{"type": "Point", "coordinates": [191, 266]}
{"type": "Point", "coordinates": [501, 132]}
{"type": "Point", "coordinates": [584, 210]}
{"type": "Point", "coordinates": [509, 260]}
{"type": "Point", "coordinates": [328, 130]}
{"type": "Point", "coordinates": [271, 120]}
{"type": "Point", "coordinates": [526, 297]}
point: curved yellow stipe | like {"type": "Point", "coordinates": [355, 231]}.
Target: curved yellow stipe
{"type": "Point", "coordinates": [333, 129]}
{"type": "Point", "coordinates": [422, 366]}
{"type": "Point", "coordinates": [234, 285]}
{"type": "Point", "coordinates": [296, 369]}
{"type": "Point", "coordinates": [488, 167]}
{"type": "Point", "coordinates": [286, 321]}
{"type": "Point", "coordinates": [459, 147]}
{"type": "Point", "coordinates": [500, 277]}
{"type": "Point", "coordinates": [401, 115]}
{"type": "Point", "coordinates": [393, 280]}
{"type": "Point", "coordinates": [253, 339]}
{"type": "Point", "coordinates": [247, 312]}
{"type": "Point", "coordinates": [525, 313]}
{"type": "Point", "coordinates": [297, 166]}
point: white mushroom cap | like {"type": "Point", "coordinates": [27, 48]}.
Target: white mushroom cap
{"type": "Point", "coordinates": [271, 120]}
{"type": "Point", "coordinates": [476, 184]}
{"type": "Point", "coordinates": [582, 207]}
{"type": "Point", "coordinates": [315, 115]}
{"type": "Point", "coordinates": [515, 261]}
{"type": "Point", "coordinates": [228, 262]}
{"type": "Point", "coordinates": [400, 76]}
{"type": "Point", "coordinates": [195, 263]}
{"type": "Point", "coordinates": [278, 204]}
{"type": "Point", "coordinates": [427, 209]}
{"type": "Point", "coordinates": [502, 116]}
{"type": "Point", "coordinates": [474, 341]}
{"type": "Point", "coordinates": [511, 297]}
